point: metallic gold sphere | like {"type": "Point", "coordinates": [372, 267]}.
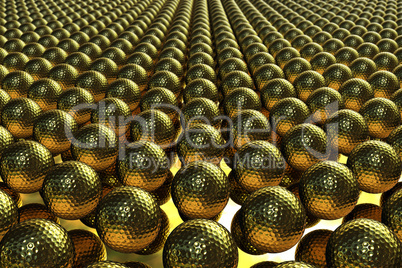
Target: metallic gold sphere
{"type": "Point", "coordinates": [355, 93]}
{"type": "Point", "coordinates": [71, 190]}
{"type": "Point", "coordinates": [9, 213]}
{"type": "Point", "coordinates": [272, 232]}
{"type": "Point", "coordinates": [135, 73]}
{"type": "Point", "coordinates": [249, 125]}
{"type": "Point", "coordinates": [366, 162]}
{"type": "Point", "coordinates": [346, 129]}
{"type": "Point", "coordinates": [383, 83]}
{"type": "Point", "coordinates": [328, 190]}
{"type": "Point", "coordinates": [236, 79]}
{"type": "Point", "coordinates": [201, 142]}
{"type": "Point", "coordinates": [199, 58]}
{"type": "Point", "coordinates": [194, 243]}
{"type": "Point", "coordinates": [77, 102]}
{"type": "Point", "coordinates": [6, 138]}
{"type": "Point", "coordinates": [113, 113]}
{"type": "Point", "coordinates": [160, 240]}
{"type": "Point", "coordinates": [286, 54]}
{"type": "Point", "coordinates": [266, 73]}
{"type": "Point", "coordinates": [94, 82]}
{"type": "Point", "coordinates": [294, 67]}
{"type": "Point", "coordinates": [304, 145]}
{"type": "Point", "coordinates": [171, 65]}
{"type": "Point", "coordinates": [155, 126]}
{"type": "Point", "coordinates": [287, 113]}
{"type": "Point", "coordinates": [145, 165]}
{"type": "Point", "coordinates": [311, 248]}
{"type": "Point", "coordinates": [382, 116]}
{"type": "Point", "coordinates": [55, 55]}
{"type": "Point", "coordinates": [200, 71]}
{"type": "Point", "coordinates": [311, 220]}
{"type": "Point", "coordinates": [306, 82]}
{"type": "Point", "coordinates": [236, 229]}
{"type": "Point", "coordinates": [128, 219]}
{"type": "Point", "coordinates": [323, 102]}
{"type": "Point", "coordinates": [106, 67]}
{"type": "Point", "coordinates": [163, 194]}
{"type": "Point", "coordinates": [259, 59]}
{"type": "Point", "coordinates": [17, 83]}
{"type": "Point", "coordinates": [346, 55]}
{"type": "Point", "coordinates": [36, 211]}
{"type": "Point", "coordinates": [309, 50]}
{"type": "Point", "coordinates": [25, 175]}
{"type": "Point", "coordinates": [385, 61]}
{"type": "Point", "coordinates": [381, 245]}
{"type": "Point", "coordinates": [321, 61]}
{"type": "Point", "coordinates": [391, 213]}
{"type": "Point", "coordinates": [265, 264]}
{"type": "Point", "coordinates": [365, 210]}
{"type": "Point", "coordinates": [64, 74]}
{"type": "Point", "coordinates": [18, 116]}
{"type": "Point", "coordinates": [54, 129]}
{"type": "Point", "coordinates": [368, 50]}
{"type": "Point", "coordinates": [277, 45]}
{"type": "Point", "coordinates": [200, 110]}
{"type": "Point", "coordinates": [353, 41]}
{"type": "Point", "coordinates": [232, 64]}
{"type": "Point", "coordinates": [336, 74]}
{"type": "Point", "coordinates": [45, 92]}
{"type": "Point", "coordinates": [161, 99]}
{"type": "Point", "coordinates": [12, 193]}
{"type": "Point", "coordinates": [15, 61]}
{"type": "Point", "coordinates": [95, 145]}
{"type": "Point", "coordinates": [108, 264]}
{"type": "Point", "coordinates": [88, 248]}
{"type": "Point", "coordinates": [79, 61]}
{"type": "Point", "coordinates": [239, 99]}
{"type": "Point", "coordinates": [167, 80]}
{"type": "Point", "coordinates": [134, 264]}
{"type": "Point", "coordinates": [236, 193]}
{"type": "Point", "coordinates": [35, 243]}
{"type": "Point", "coordinates": [258, 164]}
{"type": "Point", "coordinates": [125, 90]}
{"type": "Point", "coordinates": [275, 90]}
{"type": "Point", "coordinates": [200, 88]}
{"type": "Point", "coordinates": [174, 53]}
{"type": "Point", "coordinates": [143, 60]}
{"type": "Point", "coordinates": [90, 49]}
{"type": "Point", "coordinates": [200, 190]}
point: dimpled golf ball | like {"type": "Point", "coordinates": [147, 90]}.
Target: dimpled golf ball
{"type": "Point", "coordinates": [328, 190]}
{"type": "Point", "coordinates": [381, 115]}
{"type": "Point", "coordinates": [258, 164]}
{"type": "Point", "coordinates": [278, 230]}
{"type": "Point", "coordinates": [311, 248]}
{"type": "Point", "coordinates": [96, 146]}
{"type": "Point", "coordinates": [365, 210]}
{"type": "Point", "coordinates": [160, 239]}
{"type": "Point", "coordinates": [37, 243]}
{"type": "Point", "coordinates": [88, 248]}
{"type": "Point", "coordinates": [367, 161]}
{"type": "Point", "coordinates": [265, 264]}
{"type": "Point", "coordinates": [71, 190]}
{"type": "Point", "coordinates": [294, 264]}
{"type": "Point", "coordinates": [36, 211]}
{"type": "Point", "coordinates": [387, 194]}
{"type": "Point", "coordinates": [194, 243]}
{"type": "Point", "coordinates": [200, 190]}
{"type": "Point", "coordinates": [392, 213]}
{"type": "Point", "coordinates": [287, 113]}
{"type": "Point", "coordinates": [54, 129]}
{"type": "Point", "coordinates": [201, 142]}
{"type": "Point", "coordinates": [346, 129]}
{"type": "Point", "coordinates": [363, 243]}
{"type": "Point", "coordinates": [145, 165]}
{"type": "Point", "coordinates": [9, 213]}
{"type": "Point", "coordinates": [128, 219]}
{"type": "Point", "coordinates": [24, 164]}
{"type": "Point", "coordinates": [304, 145]}
{"type": "Point", "coordinates": [106, 264]}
